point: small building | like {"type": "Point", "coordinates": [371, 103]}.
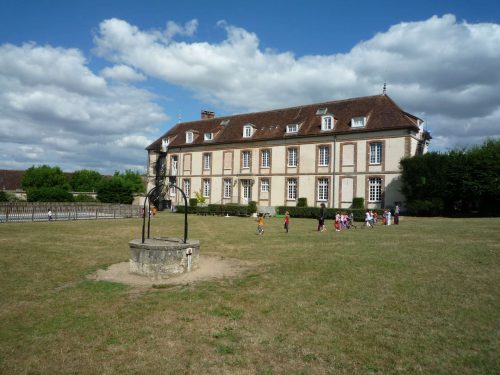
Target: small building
{"type": "Point", "coordinates": [328, 153]}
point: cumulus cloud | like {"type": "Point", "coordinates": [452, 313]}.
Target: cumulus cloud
{"type": "Point", "coordinates": [55, 110]}
{"type": "Point", "coordinates": [440, 69]}
{"type": "Point", "coordinates": [122, 73]}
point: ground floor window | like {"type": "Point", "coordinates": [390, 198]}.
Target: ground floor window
{"type": "Point", "coordinates": [206, 188]}
{"type": "Point", "coordinates": [375, 189]}
{"type": "Point", "coordinates": [264, 185]}
{"type": "Point", "coordinates": [291, 189]}
{"type": "Point", "coordinates": [228, 187]}
{"type": "Point", "coordinates": [187, 187]}
{"type": "Point", "coordinates": [322, 189]}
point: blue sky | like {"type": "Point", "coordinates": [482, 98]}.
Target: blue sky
{"type": "Point", "coordinates": [88, 84]}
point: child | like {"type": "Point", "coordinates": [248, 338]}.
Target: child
{"type": "Point", "coordinates": [260, 224]}
{"type": "Point", "coordinates": [287, 221]}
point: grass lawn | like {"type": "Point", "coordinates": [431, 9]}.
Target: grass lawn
{"type": "Point", "coordinates": [421, 297]}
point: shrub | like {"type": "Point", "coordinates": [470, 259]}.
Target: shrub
{"type": "Point", "coordinates": [193, 202]}
{"type": "Point", "coordinates": [84, 198]}
{"type": "Point", "coordinates": [3, 196]}
{"type": "Point", "coordinates": [358, 203]}
{"type": "Point", "coordinates": [49, 194]}
{"type": "Point", "coordinates": [114, 191]}
{"type": "Point", "coordinates": [252, 207]}
{"type": "Point", "coordinates": [302, 202]}
{"type": "Point", "coordinates": [425, 207]}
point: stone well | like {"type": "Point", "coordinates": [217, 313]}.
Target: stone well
{"type": "Point", "coordinates": [163, 257]}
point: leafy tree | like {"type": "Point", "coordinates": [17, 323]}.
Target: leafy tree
{"type": "Point", "coordinates": [85, 180]}
{"type": "Point", "coordinates": [44, 176]}
{"type": "Point", "coordinates": [131, 179]}
{"type": "Point", "coordinates": [3, 196]}
{"type": "Point", "coordinates": [114, 191]}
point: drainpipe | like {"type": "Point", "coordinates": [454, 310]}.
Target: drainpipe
{"type": "Point", "coordinates": [334, 162]}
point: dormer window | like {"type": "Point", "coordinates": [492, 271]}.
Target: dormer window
{"type": "Point", "coordinates": [292, 128]}
{"type": "Point", "coordinates": [208, 136]}
{"type": "Point", "coordinates": [358, 122]}
{"type": "Point", "coordinates": [327, 123]}
{"type": "Point", "coordinates": [224, 122]}
{"type": "Point", "coordinates": [247, 131]}
{"type": "Point", "coordinates": [189, 137]}
{"type": "Point", "coordinates": [322, 111]}
{"type": "Point", "coordinates": [164, 144]}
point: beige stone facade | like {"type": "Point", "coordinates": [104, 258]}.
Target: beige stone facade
{"type": "Point", "coordinates": [330, 167]}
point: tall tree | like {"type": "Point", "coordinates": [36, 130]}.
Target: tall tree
{"type": "Point", "coordinates": [44, 176]}
{"type": "Point", "coordinates": [85, 180]}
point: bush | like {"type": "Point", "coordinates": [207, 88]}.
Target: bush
{"type": "Point", "coordinates": [193, 202]}
{"type": "Point", "coordinates": [49, 194]}
{"type": "Point", "coordinates": [302, 202]}
{"type": "Point", "coordinates": [425, 207]}
{"type": "Point", "coordinates": [358, 203]}
{"type": "Point", "coordinates": [84, 198]}
{"type": "Point", "coordinates": [3, 196]}
{"type": "Point", "coordinates": [252, 207]}
{"type": "Point", "coordinates": [114, 191]}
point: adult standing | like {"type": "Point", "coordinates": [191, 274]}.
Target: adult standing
{"type": "Point", "coordinates": [321, 218]}
{"type": "Point", "coordinates": [396, 215]}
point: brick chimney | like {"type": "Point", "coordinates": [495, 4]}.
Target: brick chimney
{"type": "Point", "coordinates": [207, 114]}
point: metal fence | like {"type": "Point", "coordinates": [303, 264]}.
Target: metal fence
{"type": "Point", "coordinates": [37, 211]}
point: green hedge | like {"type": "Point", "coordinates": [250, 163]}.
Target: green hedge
{"type": "Point", "coordinates": [218, 209]}
{"type": "Point", "coordinates": [313, 212]}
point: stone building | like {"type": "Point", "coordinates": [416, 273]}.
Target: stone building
{"type": "Point", "coordinates": [327, 152]}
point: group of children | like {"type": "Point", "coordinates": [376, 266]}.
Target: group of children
{"type": "Point", "coordinates": [342, 220]}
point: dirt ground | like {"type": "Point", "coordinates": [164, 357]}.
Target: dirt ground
{"type": "Point", "coordinates": [211, 267]}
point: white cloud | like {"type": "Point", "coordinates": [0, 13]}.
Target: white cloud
{"type": "Point", "coordinates": [443, 70]}
{"type": "Point", "coordinates": [122, 73]}
{"type": "Point", "coordinates": [54, 110]}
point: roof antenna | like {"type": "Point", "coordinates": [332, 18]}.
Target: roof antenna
{"type": "Point", "coordinates": [384, 90]}
{"type": "Point", "coordinates": [179, 118]}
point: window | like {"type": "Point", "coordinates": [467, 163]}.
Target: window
{"type": "Point", "coordinates": [228, 188]}
{"type": "Point", "coordinates": [375, 153]}
{"type": "Point", "coordinates": [322, 111]}
{"type": "Point", "coordinates": [322, 189]}
{"type": "Point", "coordinates": [264, 185]}
{"type": "Point", "coordinates": [358, 122]}
{"type": "Point", "coordinates": [207, 161]}
{"type": "Point", "coordinates": [266, 158]}
{"type": "Point", "coordinates": [224, 122]}
{"type": "Point", "coordinates": [327, 123]}
{"type": "Point", "coordinates": [172, 191]}
{"type": "Point", "coordinates": [187, 187]}
{"type": "Point", "coordinates": [292, 128]}
{"type": "Point", "coordinates": [245, 159]}
{"type": "Point", "coordinates": [247, 131]}
{"type": "Point", "coordinates": [324, 156]}
{"type": "Point", "coordinates": [291, 189]}
{"type": "Point", "coordinates": [189, 137]}
{"type": "Point", "coordinates": [208, 136]}
{"type": "Point", "coordinates": [375, 189]}
{"type": "Point", "coordinates": [206, 188]}
{"type": "Point", "coordinates": [164, 143]}
{"type": "Point", "coordinates": [292, 157]}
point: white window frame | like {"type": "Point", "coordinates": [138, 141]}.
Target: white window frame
{"type": "Point", "coordinates": [376, 153]}
{"type": "Point", "coordinates": [327, 123]}
{"type": "Point", "coordinates": [324, 156]}
{"type": "Point", "coordinates": [208, 136]}
{"type": "Point", "coordinates": [164, 143]}
{"type": "Point", "coordinates": [358, 122]}
{"type": "Point", "coordinates": [206, 188]}
{"type": "Point", "coordinates": [323, 189]}
{"type": "Point", "coordinates": [246, 157]}
{"type": "Point", "coordinates": [173, 190]}
{"type": "Point", "coordinates": [374, 189]}
{"type": "Point", "coordinates": [207, 161]}
{"type": "Point", "coordinates": [264, 185]}
{"type": "Point", "coordinates": [266, 159]}
{"type": "Point", "coordinates": [247, 131]}
{"type": "Point", "coordinates": [292, 157]}
{"type": "Point", "coordinates": [291, 189]}
{"type": "Point", "coordinates": [189, 137]}
{"type": "Point", "coordinates": [186, 184]}
{"type": "Point", "coordinates": [228, 188]}
{"type": "Point", "coordinates": [292, 128]}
